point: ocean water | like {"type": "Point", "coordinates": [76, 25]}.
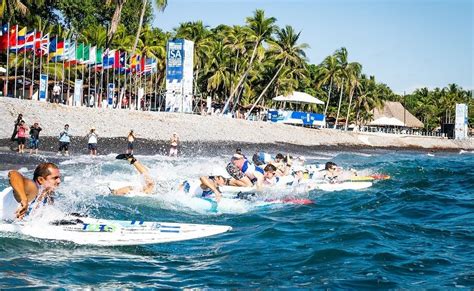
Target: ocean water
{"type": "Point", "coordinates": [415, 230]}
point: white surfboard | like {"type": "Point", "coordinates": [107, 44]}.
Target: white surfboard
{"type": "Point", "coordinates": [103, 232]}
{"type": "Point", "coordinates": [341, 186]}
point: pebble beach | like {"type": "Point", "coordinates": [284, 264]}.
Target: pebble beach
{"type": "Point", "coordinates": [155, 128]}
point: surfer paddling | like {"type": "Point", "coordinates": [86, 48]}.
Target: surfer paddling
{"type": "Point", "coordinates": [149, 184]}
{"type": "Point", "coordinates": [26, 195]}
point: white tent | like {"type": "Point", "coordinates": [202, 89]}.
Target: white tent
{"type": "Point", "coordinates": [298, 97]}
{"type": "Point", "coordinates": [387, 121]}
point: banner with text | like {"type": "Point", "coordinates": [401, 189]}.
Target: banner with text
{"type": "Point", "coordinates": [43, 89]}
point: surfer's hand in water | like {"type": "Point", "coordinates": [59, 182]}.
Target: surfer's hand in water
{"type": "Point", "coordinates": [21, 212]}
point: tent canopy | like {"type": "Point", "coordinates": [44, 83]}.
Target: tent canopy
{"type": "Point", "coordinates": [298, 97]}
{"type": "Point", "coordinates": [387, 121]}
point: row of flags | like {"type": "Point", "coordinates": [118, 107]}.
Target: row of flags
{"type": "Point", "coordinates": [71, 53]}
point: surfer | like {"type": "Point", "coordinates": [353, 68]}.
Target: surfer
{"type": "Point", "coordinates": [26, 195]}
{"type": "Point", "coordinates": [205, 186]}
{"type": "Point", "coordinates": [149, 183]}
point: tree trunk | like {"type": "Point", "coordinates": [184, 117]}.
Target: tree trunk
{"type": "Point", "coordinates": [243, 77]}
{"type": "Point", "coordinates": [329, 98]}
{"type": "Point", "coordinates": [349, 108]}
{"type": "Point", "coordinates": [339, 106]}
{"type": "Point", "coordinates": [115, 19]}
{"type": "Point", "coordinates": [266, 88]}
{"type": "Point", "coordinates": [139, 29]}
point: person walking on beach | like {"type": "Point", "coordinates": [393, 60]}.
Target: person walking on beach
{"type": "Point", "coordinates": [92, 141]}
{"type": "Point", "coordinates": [174, 143]}
{"type": "Point", "coordinates": [34, 137]}
{"type": "Point", "coordinates": [64, 141]}
{"type": "Point", "coordinates": [26, 195]}
{"type": "Point", "coordinates": [21, 133]}
{"type": "Point", "coordinates": [56, 93]}
{"type": "Point", "coordinates": [15, 128]}
{"type": "Point", "coordinates": [130, 140]}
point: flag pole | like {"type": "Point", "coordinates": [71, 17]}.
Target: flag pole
{"type": "Point", "coordinates": [63, 57]}
{"type": "Point", "coordinates": [24, 68]}
{"type": "Point", "coordinates": [33, 67]}
{"type": "Point", "coordinates": [55, 59]}
{"type": "Point", "coordinates": [5, 93]}
{"type": "Point", "coordinates": [16, 61]}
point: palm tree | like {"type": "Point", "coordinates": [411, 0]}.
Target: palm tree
{"type": "Point", "coordinates": [285, 49]}
{"type": "Point", "coordinates": [201, 36]}
{"type": "Point", "coordinates": [160, 4]}
{"type": "Point", "coordinates": [328, 70]}
{"type": "Point", "coordinates": [114, 23]}
{"type": "Point", "coordinates": [262, 29]}
{"type": "Point", "coordinates": [341, 56]}
{"type": "Point", "coordinates": [9, 7]}
{"type": "Point", "coordinates": [354, 71]}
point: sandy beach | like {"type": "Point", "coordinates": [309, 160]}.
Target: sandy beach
{"type": "Point", "coordinates": [155, 128]}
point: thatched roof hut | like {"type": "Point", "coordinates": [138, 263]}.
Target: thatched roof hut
{"type": "Point", "coordinates": [395, 110]}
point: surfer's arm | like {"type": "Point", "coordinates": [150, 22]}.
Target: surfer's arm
{"type": "Point", "coordinates": [209, 184]}
{"type": "Point", "coordinates": [17, 181]}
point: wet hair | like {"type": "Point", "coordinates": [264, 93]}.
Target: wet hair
{"type": "Point", "coordinates": [279, 156]}
{"type": "Point", "coordinates": [256, 160]}
{"type": "Point", "coordinates": [285, 159]}
{"type": "Point", "coordinates": [42, 170]}
{"type": "Point", "coordinates": [270, 168]}
{"type": "Point", "coordinates": [329, 165]}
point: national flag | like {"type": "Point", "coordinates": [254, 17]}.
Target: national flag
{"type": "Point", "coordinates": [117, 63]}
{"type": "Point", "coordinates": [92, 55]}
{"type": "Point", "coordinates": [67, 47]}
{"type": "Point", "coordinates": [86, 54]}
{"type": "Point", "coordinates": [150, 65]}
{"type": "Point", "coordinates": [80, 52]}
{"type": "Point", "coordinates": [30, 40]}
{"type": "Point", "coordinates": [98, 56]}
{"type": "Point", "coordinates": [20, 40]}
{"type": "Point", "coordinates": [108, 59]}
{"type": "Point", "coordinates": [135, 63]}
{"type": "Point", "coordinates": [41, 44]}
{"type": "Point", "coordinates": [58, 54]}
{"type": "Point", "coordinates": [71, 54]}
{"type": "Point", "coordinates": [5, 37]}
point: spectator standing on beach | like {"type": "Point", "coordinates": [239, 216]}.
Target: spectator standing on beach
{"type": "Point", "coordinates": [92, 141]}
{"type": "Point", "coordinates": [15, 129]}
{"type": "Point", "coordinates": [130, 140]}
{"type": "Point", "coordinates": [64, 141]}
{"type": "Point", "coordinates": [21, 133]}
{"type": "Point", "coordinates": [56, 93]}
{"type": "Point", "coordinates": [174, 143]}
{"type": "Point", "coordinates": [34, 137]}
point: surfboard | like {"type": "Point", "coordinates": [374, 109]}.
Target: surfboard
{"type": "Point", "coordinates": [103, 232]}
{"type": "Point", "coordinates": [370, 177]}
{"type": "Point", "coordinates": [341, 186]}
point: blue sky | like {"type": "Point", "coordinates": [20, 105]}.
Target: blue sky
{"type": "Point", "coordinates": [406, 44]}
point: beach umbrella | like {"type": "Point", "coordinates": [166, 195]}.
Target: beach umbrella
{"type": "Point", "coordinates": [298, 97]}
{"type": "Point", "coordinates": [387, 121]}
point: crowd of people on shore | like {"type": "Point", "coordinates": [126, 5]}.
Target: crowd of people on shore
{"type": "Point", "coordinates": [29, 136]}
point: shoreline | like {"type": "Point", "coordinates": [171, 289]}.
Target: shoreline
{"type": "Point", "coordinates": [154, 129]}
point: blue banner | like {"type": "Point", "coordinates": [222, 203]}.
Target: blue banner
{"type": "Point", "coordinates": [110, 94]}
{"type": "Point", "coordinates": [175, 59]}
{"type": "Point", "coordinates": [43, 89]}
{"type": "Point", "coordinates": [78, 92]}
{"type": "Point", "coordinates": [296, 117]}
